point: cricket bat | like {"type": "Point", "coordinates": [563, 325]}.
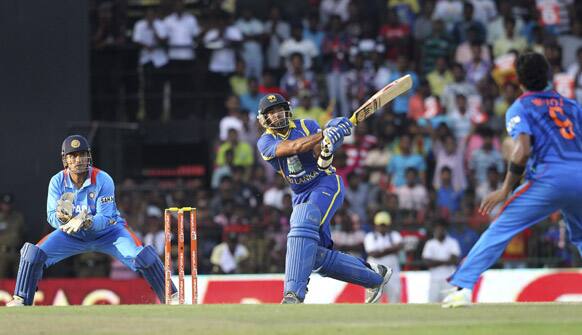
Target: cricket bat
{"type": "Point", "coordinates": [381, 98]}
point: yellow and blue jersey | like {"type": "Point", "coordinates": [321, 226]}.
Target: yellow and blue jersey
{"type": "Point", "coordinates": [96, 195]}
{"type": "Point", "coordinates": [553, 122]}
{"type": "Point", "coordinates": [301, 170]}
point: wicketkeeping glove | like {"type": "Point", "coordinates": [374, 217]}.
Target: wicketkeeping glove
{"type": "Point", "coordinates": [76, 223]}
{"type": "Point", "coordinates": [65, 207]}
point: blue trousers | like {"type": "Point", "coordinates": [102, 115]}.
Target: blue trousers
{"type": "Point", "coordinates": [558, 187]}
{"type": "Point", "coordinates": [118, 241]}
{"type": "Point", "coordinates": [328, 196]}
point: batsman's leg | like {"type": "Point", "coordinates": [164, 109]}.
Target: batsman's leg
{"type": "Point", "coordinates": [302, 243]}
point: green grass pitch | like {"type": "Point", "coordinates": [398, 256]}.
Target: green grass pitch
{"type": "Point", "coordinates": [546, 318]}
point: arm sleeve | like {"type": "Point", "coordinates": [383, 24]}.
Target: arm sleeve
{"type": "Point", "coordinates": [267, 146]}
{"type": "Point", "coordinates": [516, 122]}
{"type": "Point", "coordinates": [54, 194]}
{"type": "Point", "coordinates": [105, 209]}
{"type": "Point", "coordinates": [396, 237]}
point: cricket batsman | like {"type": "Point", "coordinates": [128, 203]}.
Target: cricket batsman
{"type": "Point", "coordinates": [81, 207]}
{"type": "Point", "coordinates": [547, 131]}
{"type": "Point", "coordinates": [302, 154]}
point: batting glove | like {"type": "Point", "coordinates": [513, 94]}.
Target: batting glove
{"type": "Point", "coordinates": [342, 123]}
{"type": "Point", "coordinates": [332, 138]}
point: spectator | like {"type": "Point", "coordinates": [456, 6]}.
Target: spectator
{"type": "Point", "coordinates": [312, 30]}
{"type": "Point", "coordinates": [464, 53]}
{"type": "Point", "coordinates": [297, 79]}
{"type": "Point", "coordinates": [571, 45]}
{"type": "Point", "coordinates": [183, 30]}
{"type": "Point", "coordinates": [330, 8]}
{"type": "Point", "coordinates": [277, 31]}
{"type": "Point", "coordinates": [238, 80]}
{"type": "Point", "coordinates": [461, 119]}
{"type": "Point", "coordinates": [436, 45]}
{"type": "Point", "coordinates": [575, 71]}
{"type": "Point", "coordinates": [224, 42]}
{"type": "Point", "coordinates": [448, 198]}
{"type": "Point", "coordinates": [223, 170]}
{"type": "Point", "coordinates": [423, 23]}
{"type": "Point", "coordinates": [396, 36]}
{"type": "Point", "coordinates": [358, 196]}
{"type": "Point", "coordinates": [495, 28]}
{"type": "Point", "coordinates": [224, 197]}
{"type": "Point", "coordinates": [510, 40]}
{"type": "Point", "coordinates": [459, 86]}
{"type": "Point", "coordinates": [243, 152]}
{"type": "Point", "coordinates": [233, 118]}
{"type": "Point", "coordinates": [440, 77]}
{"type": "Point", "coordinates": [468, 23]}
{"type": "Point", "coordinates": [273, 196]}
{"type": "Point", "coordinates": [150, 33]}
{"type": "Point", "coordinates": [413, 195]}
{"type": "Point", "coordinates": [465, 235]}
{"type": "Point", "coordinates": [449, 153]}
{"type": "Point", "coordinates": [154, 233]}
{"type": "Point", "coordinates": [358, 84]}
{"type": "Point", "coordinates": [252, 30]}
{"type": "Point", "coordinates": [485, 157]}
{"type": "Point", "coordinates": [347, 233]}
{"type": "Point", "coordinates": [478, 68]}
{"type": "Point", "coordinates": [424, 105]}
{"type": "Point", "coordinates": [492, 183]}
{"type": "Point", "coordinates": [441, 254]}
{"type": "Point", "coordinates": [11, 236]}
{"type": "Point", "coordinates": [250, 100]}
{"type": "Point", "coordinates": [335, 51]}
{"type": "Point", "coordinates": [403, 160]}
{"type": "Point", "coordinates": [250, 196]}
{"type": "Point", "coordinates": [298, 44]}
{"type": "Point", "coordinates": [229, 256]}
{"type": "Point", "coordinates": [449, 11]}
{"type": "Point", "coordinates": [382, 246]}
{"type": "Point", "coordinates": [268, 84]}
{"type": "Point", "coordinates": [307, 110]}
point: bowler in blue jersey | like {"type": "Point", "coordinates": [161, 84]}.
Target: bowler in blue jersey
{"type": "Point", "coordinates": [547, 131]}
{"type": "Point", "coordinates": [302, 154]}
{"type": "Point", "coordinates": [81, 208]}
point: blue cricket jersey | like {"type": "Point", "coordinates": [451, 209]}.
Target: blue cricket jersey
{"type": "Point", "coordinates": [301, 170]}
{"type": "Point", "coordinates": [97, 195]}
{"type": "Point", "coordinates": [554, 124]}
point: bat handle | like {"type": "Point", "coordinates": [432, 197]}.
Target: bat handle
{"type": "Point", "coordinates": [354, 119]}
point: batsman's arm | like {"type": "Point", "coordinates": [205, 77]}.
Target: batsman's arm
{"type": "Point", "coordinates": [105, 208]}
{"type": "Point", "coordinates": [54, 194]}
{"type": "Point", "coordinates": [298, 146]}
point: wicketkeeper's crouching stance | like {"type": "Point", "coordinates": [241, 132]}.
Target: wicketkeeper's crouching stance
{"type": "Point", "coordinates": [303, 154]}
{"type": "Point", "coordinates": [81, 207]}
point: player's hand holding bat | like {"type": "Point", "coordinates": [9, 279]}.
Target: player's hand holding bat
{"type": "Point", "coordinates": [76, 223]}
{"type": "Point", "coordinates": [65, 207]}
{"type": "Point", "coordinates": [343, 123]}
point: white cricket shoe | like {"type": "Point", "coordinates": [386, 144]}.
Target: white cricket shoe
{"type": "Point", "coordinates": [15, 302]}
{"type": "Point", "coordinates": [373, 294]}
{"type": "Point", "coordinates": [457, 298]}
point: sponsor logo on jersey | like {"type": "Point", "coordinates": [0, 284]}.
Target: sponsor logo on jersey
{"type": "Point", "coordinates": [512, 123]}
{"type": "Point", "coordinates": [107, 199]}
{"type": "Point", "coordinates": [303, 179]}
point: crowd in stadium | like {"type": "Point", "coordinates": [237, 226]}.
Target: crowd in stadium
{"type": "Point", "coordinates": [430, 156]}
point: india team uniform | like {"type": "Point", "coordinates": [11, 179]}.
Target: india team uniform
{"type": "Point", "coordinates": [554, 178]}
{"type": "Point", "coordinates": [109, 233]}
{"type": "Point", "coordinates": [324, 189]}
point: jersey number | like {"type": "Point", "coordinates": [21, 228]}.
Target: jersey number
{"type": "Point", "coordinates": [566, 126]}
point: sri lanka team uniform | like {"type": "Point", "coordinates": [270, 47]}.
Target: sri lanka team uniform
{"type": "Point", "coordinates": [317, 195]}
{"type": "Point", "coordinates": [554, 179]}
{"type": "Point", "coordinates": [108, 234]}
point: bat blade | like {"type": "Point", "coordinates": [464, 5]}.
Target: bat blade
{"type": "Point", "coordinates": [381, 98]}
